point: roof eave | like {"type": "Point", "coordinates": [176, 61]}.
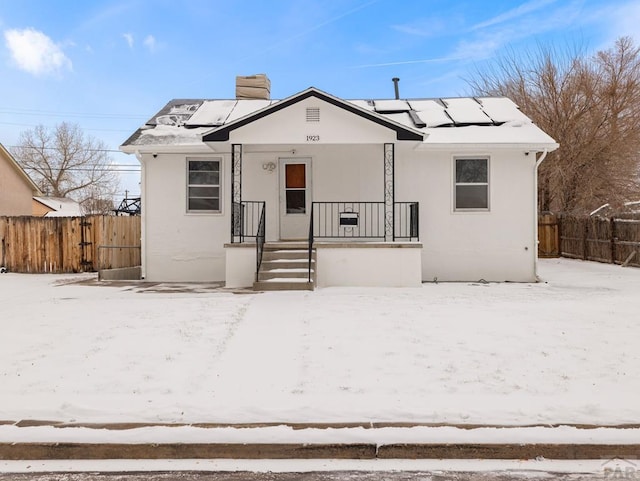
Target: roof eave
{"type": "Point", "coordinates": [221, 134]}
{"type": "Point", "coordinates": [165, 149]}
{"type": "Point", "coordinates": [526, 146]}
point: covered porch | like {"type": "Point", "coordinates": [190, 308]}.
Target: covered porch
{"type": "Point", "coordinates": [320, 215]}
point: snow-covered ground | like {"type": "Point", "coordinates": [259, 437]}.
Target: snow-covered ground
{"type": "Point", "coordinates": [561, 351]}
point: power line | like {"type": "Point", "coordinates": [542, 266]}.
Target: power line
{"type": "Point", "coordinates": [91, 169]}
{"type": "Point", "coordinates": [55, 148]}
{"type": "Point", "coordinates": [99, 169]}
{"type": "Point", "coordinates": [49, 113]}
{"type": "Point", "coordinates": [19, 125]}
{"type": "Point", "coordinates": [83, 128]}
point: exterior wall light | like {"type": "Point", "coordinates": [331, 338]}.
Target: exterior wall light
{"type": "Point", "coordinates": [269, 166]}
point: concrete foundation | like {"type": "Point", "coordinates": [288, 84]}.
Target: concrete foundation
{"type": "Point", "coordinates": [121, 274]}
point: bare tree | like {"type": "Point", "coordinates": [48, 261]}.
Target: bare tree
{"type": "Point", "coordinates": [591, 106]}
{"type": "Point", "coordinates": [65, 162]}
{"type": "Point", "coordinates": [98, 204]}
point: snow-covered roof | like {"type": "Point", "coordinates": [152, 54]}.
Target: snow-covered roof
{"type": "Point", "coordinates": [431, 112]}
{"type": "Point", "coordinates": [219, 112]}
{"type": "Point", "coordinates": [466, 111]}
{"type": "Point", "coordinates": [607, 209]}
{"type": "Point", "coordinates": [502, 109]}
{"type": "Point", "coordinates": [62, 206]}
{"type": "Point", "coordinates": [438, 121]}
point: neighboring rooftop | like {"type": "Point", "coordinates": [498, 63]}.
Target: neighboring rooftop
{"type": "Point", "coordinates": [60, 206]}
{"type": "Point", "coordinates": [18, 168]}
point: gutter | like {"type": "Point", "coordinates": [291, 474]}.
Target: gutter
{"type": "Point", "coordinates": [165, 149]}
{"type": "Point", "coordinates": [143, 217]}
{"type": "Point", "coordinates": [542, 157]}
{"type": "Point", "coordinates": [535, 212]}
{"type": "Point", "coordinates": [474, 147]}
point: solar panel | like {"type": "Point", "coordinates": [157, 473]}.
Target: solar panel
{"type": "Point", "coordinates": [502, 109]}
{"type": "Point", "coordinates": [212, 112]}
{"type": "Point", "coordinates": [391, 106]}
{"type": "Point", "coordinates": [466, 111]}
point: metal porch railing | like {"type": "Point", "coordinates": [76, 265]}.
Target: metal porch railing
{"type": "Point", "coordinates": [248, 221]}
{"type": "Point", "coordinates": [260, 238]}
{"type": "Point", "coordinates": [362, 220]}
{"type": "Point", "coordinates": [406, 224]}
{"type": "Point", "coordinates": [245, 220]}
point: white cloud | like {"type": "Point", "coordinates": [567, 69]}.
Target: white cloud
{"type": "Point", "coordinates": [34, 52]}
{"type": "Point", "coordinates": [514, 13]}
{"type": "Point", "coordinates": [150, 42]}
{"type": "Point", "coordinates": [129, 38]}
{"type": "Point", "coordinates": [479, 49]}
{"type": "Point", "coordinates": [487, 38]}
{"type": "Point", "coordinates": [425, 28]}
{"type": "Point", "coordinates": [409, 62]}
{"type": "Point", "coordinates": [113, 11]}
{"type": "Point", "coordinates": [624, 21]}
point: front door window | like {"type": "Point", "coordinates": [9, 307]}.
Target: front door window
{"type": "Point", "coordinates": [295, 188]}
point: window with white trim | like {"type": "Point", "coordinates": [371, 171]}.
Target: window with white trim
{"type": "Point", "coordinates": [471, 184]}
{"type": "Point", "coordinates": [203, 185]}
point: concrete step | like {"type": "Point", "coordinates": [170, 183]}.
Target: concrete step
{"type": "Point", "coordinates": [286, 254]}
{"type": "Point", "coordinates": [286, 245]}
{"type": "Point", "coordinates": [285, 267]}
{"type": "Point", "coordinates": [280, 284]}
{"type": "Point", "coordinates": [286, 264]}
{"type": "Point", "coordinates": [295, 273]}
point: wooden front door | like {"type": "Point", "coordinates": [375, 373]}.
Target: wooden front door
{"type": "Point", "coordinates": [295, 198]}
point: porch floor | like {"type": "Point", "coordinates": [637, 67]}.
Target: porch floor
{"type": "Point", "coordinates": [285, 264]}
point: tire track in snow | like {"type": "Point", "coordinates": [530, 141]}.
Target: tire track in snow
{"type": "Point", "coordinates": [230, 321]}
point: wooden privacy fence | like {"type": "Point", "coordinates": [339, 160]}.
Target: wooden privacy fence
{"type": "Point", "coordinates": [548, 235]}
{"type": "Point", "coordinates": [69, 244]}
{"type": "Point", "coordinates": [614, 240]}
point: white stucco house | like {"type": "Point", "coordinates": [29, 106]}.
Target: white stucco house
{"type": "Point", "coordinates": [314, 190]}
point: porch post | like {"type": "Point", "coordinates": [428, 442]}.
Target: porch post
{"type": "Point", "coordinates": [236, 192]}
{"type": "Point", "coordinates": [389, 192]}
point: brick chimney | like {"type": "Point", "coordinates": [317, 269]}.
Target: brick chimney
{"type": "Point", "coordinates": [253, 87]}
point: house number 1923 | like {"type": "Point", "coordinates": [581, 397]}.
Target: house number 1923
{"type": "Point", "coordinates": [313, 138]}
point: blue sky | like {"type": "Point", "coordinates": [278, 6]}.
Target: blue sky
{"type": "Point", "coordinates": [108, 65]}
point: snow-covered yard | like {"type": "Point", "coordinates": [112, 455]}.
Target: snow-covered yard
{"type": "Point", "coordinates": [562, 351]}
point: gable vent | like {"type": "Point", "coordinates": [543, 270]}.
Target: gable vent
{"type": "Point", "coordinates": [313, 114]}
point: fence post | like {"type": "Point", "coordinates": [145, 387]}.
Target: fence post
{"type": "Point", "coordinates": [3, 228]}
{"type": "Point", "coordinates": [559, 234]}
{"type": "Point", "coordinates": [613, 240]}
